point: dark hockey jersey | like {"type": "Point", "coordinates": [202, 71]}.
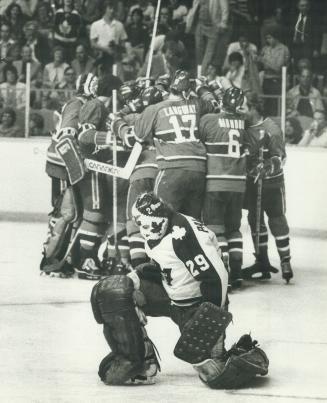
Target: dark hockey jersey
{"type": "Point", "coordinates": [273, 146]}
{"type": "Point", "coordinates": [146, 166]}
{"type": "Point", "coordinates": [223, 136]}
{"type": "Point", "coordinates": [190, 262]}
{"type": "Point", "coordinates": [174, 126]}
{"type": "Point", "coordinates": [92, 142]}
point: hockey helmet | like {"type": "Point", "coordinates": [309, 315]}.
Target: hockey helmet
{"type": "Point", "coordinates": [87, 85]}
{"type": "Point", "coordinates": [181, 82]}
{"type": "Point", "coordinates": [151, 215]}
{"type": "Point", "coordinates": [151, 96]}
{"type": "Point", "coordinates": [233, 99]}
{"type": "Point", "coordinates": [163, 82]}
{"type": "Point", "coordinates": [128, 91]}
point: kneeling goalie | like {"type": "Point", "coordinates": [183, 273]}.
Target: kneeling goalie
{"type": "Point", "coordinates": [187, 282]}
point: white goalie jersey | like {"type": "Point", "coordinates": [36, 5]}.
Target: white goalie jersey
{"type": "Point", "coordinates": [190, 263]}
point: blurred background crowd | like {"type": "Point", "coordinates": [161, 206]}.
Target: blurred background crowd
{"type": "Point", "coordinates": [248, 41]}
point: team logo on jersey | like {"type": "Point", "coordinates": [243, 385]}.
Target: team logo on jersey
{"type": "Point", "coordinates": [178, 232]}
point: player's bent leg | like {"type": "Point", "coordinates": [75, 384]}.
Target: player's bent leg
{"type": "Point", "coordinates": [113, 306]}
{"type": "Point", "coordinates": [91, 231]}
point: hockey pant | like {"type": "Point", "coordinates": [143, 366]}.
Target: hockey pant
{"type": "Point", "coordinates": [222, 214]}
{"type": "Point", "coordinates": [182, 189]}
{"type": "Point", "coordinates": [135, 239]}
{"type": "Point", "coordinates": [274, 206]}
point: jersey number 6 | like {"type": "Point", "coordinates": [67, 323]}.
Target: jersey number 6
{"type": "Point", "coordinates": [234, 143]}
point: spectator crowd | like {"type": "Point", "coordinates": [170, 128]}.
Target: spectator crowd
{"type": "Point", "coordinates": [247, 41]}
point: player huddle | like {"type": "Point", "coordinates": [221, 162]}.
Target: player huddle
{"type": "Point", "coordinates": [206, 153]}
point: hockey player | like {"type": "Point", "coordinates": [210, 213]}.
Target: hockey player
{"type": "Point", "coordinates": [65, 170]}
{"type": "Point", "coordinates": [94, 140]}
{"type": "Point", "coordinates": [273, 191]}
{"type": "Point", "coordinates": [223, 136]}
{"type": "Point", "coordinates": [146, 169]}
{"type": "Point", "coordinates": [173, 125]}
{"type": "Point", "coordinates": [192, 292]}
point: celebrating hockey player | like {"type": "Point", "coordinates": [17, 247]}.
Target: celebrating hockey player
{"type": "Point", "coordinates": [146, 169]}
{"type": "Point", "coordinates": [223, 135]}
{"type": "Point", "coordinates": [173, 125]}
{"type": "Point", "coordinates": [263, 132]}
{"type": "Point", "coordinates": [65, 166]}
{"type": "Point", "coordinates": [192, 291]}
{"type": "Point", "coordinates": [96, 188]}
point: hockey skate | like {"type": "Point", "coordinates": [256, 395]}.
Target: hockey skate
{"type": "Point", "coordinates": [89, 270]}
{"type": "Point", "coordinates": [287, 272]}
{"type": "Point", "coordinates": [66, 271]}
{"type": "Point", "coordinates": [260, 270]}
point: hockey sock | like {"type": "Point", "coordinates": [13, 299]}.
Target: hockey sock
{"type": "Point", "coordinates": [283, 247]}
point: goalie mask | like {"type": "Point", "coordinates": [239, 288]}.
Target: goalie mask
{"type": "Point", "coordinates": [87, 85]}
{"type": "Point", "coordinates": [151, 215]}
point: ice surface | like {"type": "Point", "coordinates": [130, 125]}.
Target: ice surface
{"type": "Point", "coordinates": [50, 345]}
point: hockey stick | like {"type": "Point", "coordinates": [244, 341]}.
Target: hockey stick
{"type": "Point", "coordinates": [259, 180]}
{"type": "Point", "coordinates": [114, 179]}
{"type": "Point", "coordinates": [154, 32]}
{"type": "Point", "coordinates": [115, 171]}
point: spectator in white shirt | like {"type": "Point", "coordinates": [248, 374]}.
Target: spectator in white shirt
{"type": "Point", "coordinates": [108, 33]}
{"type": "Point", "coordinates": [12, 93]}
{"type": "Point", "coordinates": [54, 72]}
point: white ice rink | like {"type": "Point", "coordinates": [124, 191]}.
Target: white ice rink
{"type": "Point", "coordinates": [50, 345]}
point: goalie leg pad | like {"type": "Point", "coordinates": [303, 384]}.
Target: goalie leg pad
{"type": "Point", "coordinates": [113, 305]}
{"type": "Point", "coordinates": [201, 333]}
{"type": "Point", "coordinates": [60, 227]}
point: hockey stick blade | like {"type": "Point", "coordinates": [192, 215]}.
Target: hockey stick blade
{"type": "Point", "coordinates": [113, 170]}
